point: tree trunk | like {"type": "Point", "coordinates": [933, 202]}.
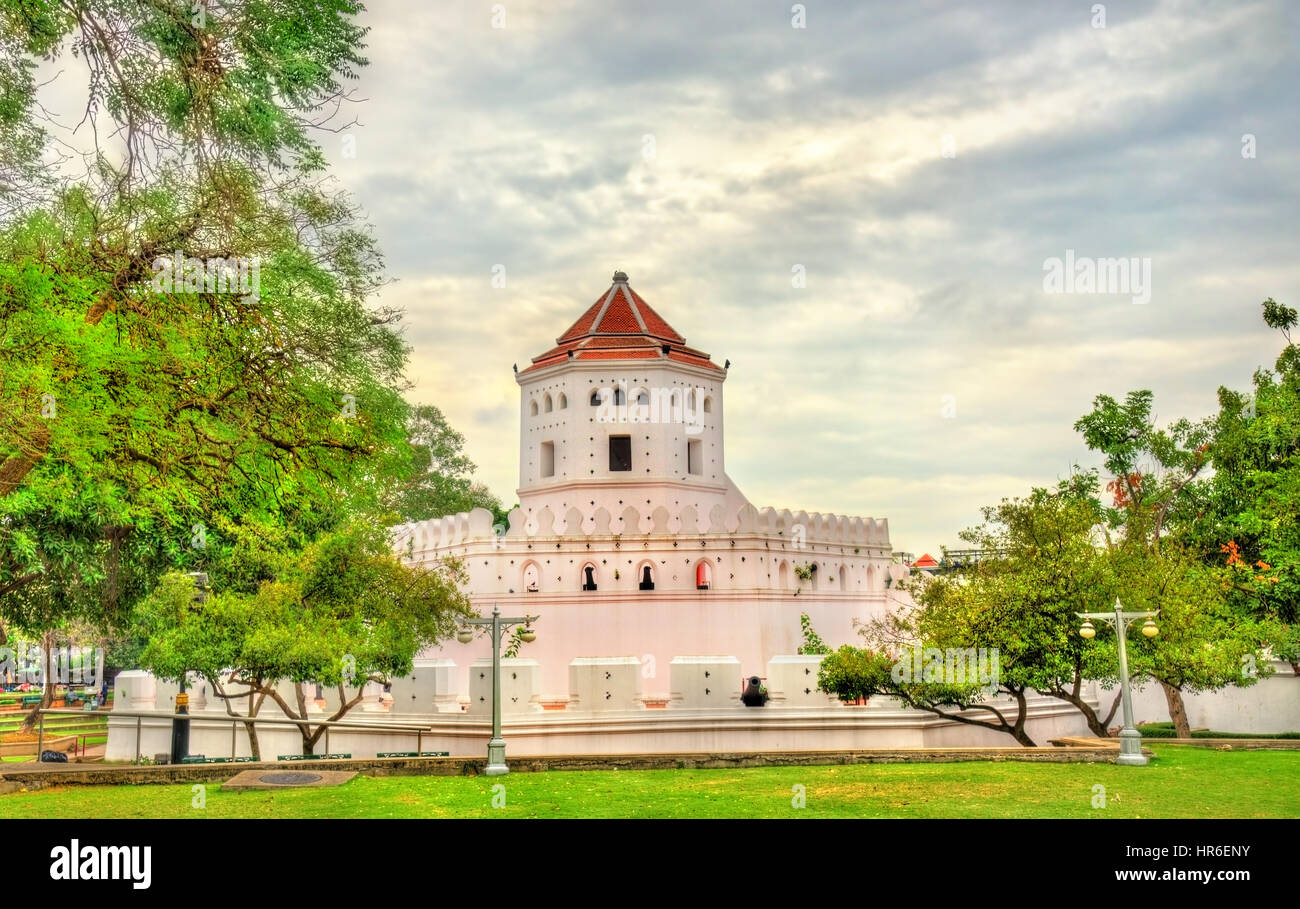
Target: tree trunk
{"type": "Point", "coordinates": [254, 705]}
{"type": "Point", "coordinates": [1177, 711]}
{"type": "Point", "coordinates": [1095, 723]}
{"type": "Point", "coordinates": [1020, 736]}
{"type": "Point", "coordinates": [308, 740]}
{"type": "Point", "coordinates": [47, 689]}
{"type": "Point", "coordinates": [1015, 730]}
{"type": "Point", "coordinates": [1022, 714]}
{"type": "Point", "coordinates": [1114, 707]}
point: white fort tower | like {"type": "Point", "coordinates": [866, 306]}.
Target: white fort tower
{"type": "Point", "coordinates": [660, 588]}
{"type": "Point", "coordinates": [631, 541]}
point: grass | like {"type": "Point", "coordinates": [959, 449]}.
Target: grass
{"type": "Point", "coordinates": [11, 726]}
{"type": "Point", "coordinates": [1183, 782]}
{"type": "Point", "coordinates": [1166, 731]}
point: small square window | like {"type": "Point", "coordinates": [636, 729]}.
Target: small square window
{"type": "Point", "coordinates": [620, 452]}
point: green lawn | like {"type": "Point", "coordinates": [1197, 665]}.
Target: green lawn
{"type": "Point", "coordinates": [1182, 782]}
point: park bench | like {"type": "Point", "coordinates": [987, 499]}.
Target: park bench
{"type": "Point", "coordinates": [31, 700]}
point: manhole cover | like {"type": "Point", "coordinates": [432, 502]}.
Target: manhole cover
{"type": "Point", "coordinates": [289, 778]}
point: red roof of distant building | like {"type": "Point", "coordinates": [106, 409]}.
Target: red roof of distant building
{"type": "Point", "coordinates": [926, 561]}
{"type": "Point", "coordinates": [621, 326]}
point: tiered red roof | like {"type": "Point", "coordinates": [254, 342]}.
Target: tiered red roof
{"type": "Point", "coordinates": [926, 561]}
{"type": "Point", "coordinates": [621, 326]}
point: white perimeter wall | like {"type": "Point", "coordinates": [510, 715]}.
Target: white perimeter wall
{"type": "Point", "coordinates": [1270, 705]}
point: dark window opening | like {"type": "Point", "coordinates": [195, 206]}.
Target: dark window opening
{"type": "Point", "coordinates": [590, 574]}
{"type": "Point", "coordinates": [647, 581]}
{"type": "Point", "coordinates": [620, 452]}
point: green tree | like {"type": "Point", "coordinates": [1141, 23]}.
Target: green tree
{"type": "Point", "coordinates": [1160, 492]}
{"type": "Point", "coordinates": [1203, 643]}
{"type": "Point", "coordinates": [852, 672]}
{"type": "Point", "coordinates": [135, 418]}
{"type": "Point", "coordinates": [343, 612]}
{"type": "Point", "coordinates": [436, 478]}
{"type": "Point", "coordinates": [1251, 521]}
{"type": "Point", "coordinates": [1043, 566]}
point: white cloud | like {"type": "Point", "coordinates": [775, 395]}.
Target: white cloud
{"type": "Point", "coordinates": [524, 146]}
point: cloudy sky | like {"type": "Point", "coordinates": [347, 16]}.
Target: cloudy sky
{"type": "Point", "coordinates": [920, 162]}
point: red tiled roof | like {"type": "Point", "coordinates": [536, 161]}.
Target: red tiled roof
{"type": "Point", "coordinates": [583, 325]}
{"type": "Point", "coordinates": [926, 561]}
{"type": "Point", "coordinates": [621, 326]}
{"type": "Point", "coordinates": [654, 325]}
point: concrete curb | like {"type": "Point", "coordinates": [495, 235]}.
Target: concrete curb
{"type": "Point", "coordinates": [40, 776]}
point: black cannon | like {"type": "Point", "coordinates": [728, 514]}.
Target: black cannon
{"type": "Point", "coordinates": [755, 693]}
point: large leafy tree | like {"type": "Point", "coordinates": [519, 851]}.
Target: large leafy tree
{"type": "Point", "coordinates": [436, 477]}
{"type": "Point", "coordinates": [1157, 473]}
{"type": "Point", "coordinates": [1251, 521]}
{"type": "Point", "coordinates": [1043, 565]}
{"type": "Point", "coordinates": [1169, 513]}
{"type": "Point", "coordinates": [342, 612]}
{"type": "Point", "coordinates": [135, 420]}
{"type": "Point", "coordinates": [1203, 643]}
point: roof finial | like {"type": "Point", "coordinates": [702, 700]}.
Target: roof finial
{"type": "Point", "coordinates": [620, 277]}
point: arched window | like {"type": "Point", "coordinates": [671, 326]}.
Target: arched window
{"type": "Point", "coordinates": [641, 414]}
{"type": "Point", "coordinates": [619, 398]}
{"type": "Point", "coordinates": [589, 576]}
{"type": "Point", "coordinates": [783, 575]}
{"type": "Point", "coordinates": [532, 577]}
{"type": "Point", "coordinates": [546, 403]}
{"type": "Point", "coordinates": [532, 409]}
{"type": "Point", "coordinates": [843, 579]}
{"type": "Point", "coordinates": [564, 401]}
{"type": "Point", "coordinates": [595, 397]}
{"type": "Point", "coordinates": [703, 575]}
{"type": "Point", "coordinates": [646, 574]}
{"type": "Point", "coordinates": [708, 405]}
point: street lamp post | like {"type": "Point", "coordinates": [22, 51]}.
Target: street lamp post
{"type": "Point", "coordinates": [1130, 740]}
{"type": "Point", "coordinates": [497, 625]}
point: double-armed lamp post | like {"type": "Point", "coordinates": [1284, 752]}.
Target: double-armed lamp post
{"type": "Point", "coordinates": [1130, 740]}
{"type": "Point", "coordinates": [497, 625]}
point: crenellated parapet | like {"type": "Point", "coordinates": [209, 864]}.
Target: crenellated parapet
{"type": "Point", "coordinates": [798, 528]}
